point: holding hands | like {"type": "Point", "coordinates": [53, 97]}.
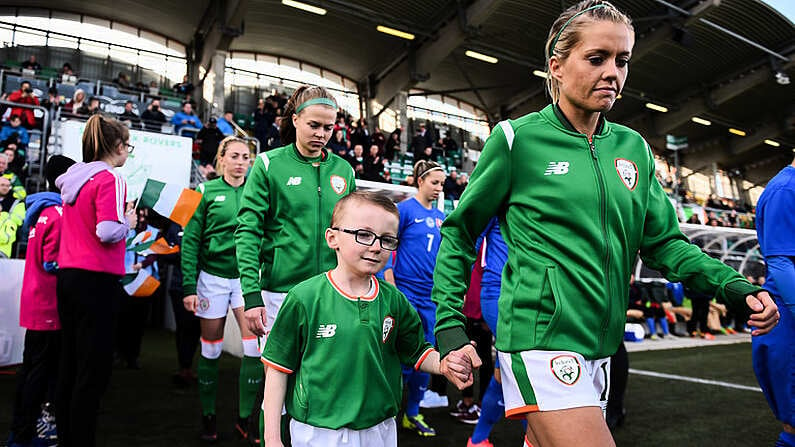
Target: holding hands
{"type": "Point", "coordinates": [458, 365]}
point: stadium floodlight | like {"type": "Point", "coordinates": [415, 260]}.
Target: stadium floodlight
{"type": "Point", "coordinates": [701, 121]}
{"type": "Point", "coordinates": [541, 74]}
{"type": "Point", "coordinates": [782, 78]}
{"type": "Point", "coordinates": [395, 32]}
{"type": "Point", "coordinates": [481, 57]}
{"type": "Point", "coordinates": [772, 143]}
{"type": "Point", "coordinates": [305, 7]}
{"type": "Point", "coordinates": [737, 132]}
{"type": "Point", "coordinates": [653, 106]}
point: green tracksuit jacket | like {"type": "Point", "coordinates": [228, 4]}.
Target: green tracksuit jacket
{"type": "Point", "coordinates": [574, 214]}
{"type": "Point", "coordinates": [283, 217]}
{"type": "Point", "coordinates": [208, 241]}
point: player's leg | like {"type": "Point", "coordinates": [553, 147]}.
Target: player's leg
{"type": "Point", "coordinates": [251, 372]}
{"type": "Point", "coordinates": [212, 308]}
{"type": "Point", "coordinates": [555, 428]}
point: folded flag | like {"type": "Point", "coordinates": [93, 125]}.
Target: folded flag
{"type": "Point", "coordinates": [140, 284]}
{"type": "Point", "coordinates": [156, 247]}
{"type": "Point", "coordinates": [169, 200]}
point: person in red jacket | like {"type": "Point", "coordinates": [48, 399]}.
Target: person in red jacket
{"type": "Point", "coordinates": [24, 96]}
{"type": "Point", "coordinates": [38, 309]}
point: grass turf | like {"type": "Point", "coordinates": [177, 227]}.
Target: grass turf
{"type": "Point", "coordinates": [142, 407]}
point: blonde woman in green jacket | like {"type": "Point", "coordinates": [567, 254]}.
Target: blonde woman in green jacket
{"type": "Point", "coordinates": [577, 199]}
{"type": "Point", "coordinates": [212, 284]}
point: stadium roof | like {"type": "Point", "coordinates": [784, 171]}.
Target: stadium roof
{"type": "Point", "coordinates": [715, 59]}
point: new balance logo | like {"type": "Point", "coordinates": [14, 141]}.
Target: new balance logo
{"type": "Point", "coordinates": [294, 181]}
{"type": "Point", "coordinates": [557, 168]}
{"type": "Point", "coordinates": [326, 330]}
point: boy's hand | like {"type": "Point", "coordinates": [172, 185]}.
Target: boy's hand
{"type": "Point", "coordinates": [765, 316]}
{"type": "Point", "coordinates": [450, 366]}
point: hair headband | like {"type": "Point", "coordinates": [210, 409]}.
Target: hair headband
{"type": "Point", "coordinates": [311, 102]}
{"type": "Point", "coordinates": [435, 168]}
{"type": "Point", "coordinates": [557, 36]}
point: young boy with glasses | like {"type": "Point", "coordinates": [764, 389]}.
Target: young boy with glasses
{"type": "Point", "coordinates": [344, 332]}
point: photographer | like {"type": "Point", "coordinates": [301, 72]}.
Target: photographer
{"type": "Point", "coordinates": [24, 96]}
{"type": "Point", "coordinates": [152, 117]}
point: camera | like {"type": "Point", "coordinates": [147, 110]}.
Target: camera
{"type": "Point", "coordinates": [28, 90]}
{"type": "Point", "coordinates": [155, 108]}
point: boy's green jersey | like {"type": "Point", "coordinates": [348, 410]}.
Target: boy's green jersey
{"type": "Point", "coordinates": [344, 353]}
{"type": "Point", "coordinates": [208, 242]}
{"type": "Point", "coordinates": [286, 208]}
{"type": "Point", "coordinates": [574, 213]}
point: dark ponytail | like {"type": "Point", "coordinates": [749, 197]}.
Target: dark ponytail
{"type": "Point", "coordinates": [101, 136]}
{"type": "Point", "coordinates": [300, 96]}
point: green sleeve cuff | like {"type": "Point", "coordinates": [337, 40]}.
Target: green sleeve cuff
{"type": "Point", "coordinates": [736, 291]}
{"type": "Point", "coordinates": [451, 339]}
{"type": "Point", "coordinates": [253, 300]}
{"type": "Point", "coordinates": [188, 289]}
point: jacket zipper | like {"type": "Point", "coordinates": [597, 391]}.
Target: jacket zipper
{"type": "Point", "coordinates": [603, 217]}
{"type": "Point", "coordinates": [317, 220]}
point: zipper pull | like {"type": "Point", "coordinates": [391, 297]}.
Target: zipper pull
{"type": "Point", "coordinates": [593, 148]}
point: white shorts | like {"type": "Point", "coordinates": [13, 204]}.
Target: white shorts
{"type": "Point", "coordinates": [382, 434]}
{"type": "Point", "coordinates": [552, 380]}
{"type": "Point", "coordinates": [216, 295]}
{"type": "Point", "coordinates": [273, 302]}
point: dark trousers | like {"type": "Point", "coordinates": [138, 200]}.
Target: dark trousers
{"type": "Point", "coordinates": [133, 314]}
{"type": "Point", "coordinates": [88, 304]}
{"type": "Point", "coordinates": [188, 331]}
{"type": "Point", "coordinates": [480, 333]}
{"type": "Point", "coordinates": [698, 320]}
{"type": "Point", "coordinates": [619, 373]}
{"type": "Point", "coordinates": [36, 381]}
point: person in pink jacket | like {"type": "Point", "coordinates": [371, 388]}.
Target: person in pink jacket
{"type": "Point", "coordinates": [90, 264]}
{"type": "Point", "coordinates": [38, 309]}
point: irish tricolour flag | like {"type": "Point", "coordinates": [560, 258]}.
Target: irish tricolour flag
{"type": "Point", "coordinates": [156, 247]}
{"type": "Point", "coordinates": [140, 284]}
{"type": "Point", "coordinates": [170, 200]}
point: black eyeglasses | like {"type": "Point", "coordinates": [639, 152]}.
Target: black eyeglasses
{"type": "Point", "coordinates": [130, 148]}
{"type": "Point", "coordinates": [368, 238]}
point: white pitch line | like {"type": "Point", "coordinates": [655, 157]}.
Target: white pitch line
{"type": "Point", "coordinates": [694, 380]}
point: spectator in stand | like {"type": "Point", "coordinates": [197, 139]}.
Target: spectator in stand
{"type": "Point", "coordinates": [66, 70]}
{"type": "Point", "coordinates": [185, 87]}
{"type": "Point", "coordinates": [209, 138]}
{"type": "Point", "coordinates": [18, 190]}
{"type": "Point", "coordinates": [427, 135]}
{"type": "Point", "coordinates": [451, 186]}
{"type": "Point", "coordinates": [11, 216]}
{"type": "Point", "coordinates": [463, 181]}
{"type": "Point", "coordinates": [38, 310]}
{"type": "Point", "coordinates": [186, 118]}
{"type": "Point", "coordinates": [426, 154]}
{"type": "Point", "coordinates": [16, 158]}
{"type": "Point", "coordinates": [15, 132]}
{"type": "Point", "coordinates": [378, 139]}
{"type": "Point", "coordinates": [24, 96]}
{"type": "Point", "coordinates": [387, 176]}
{"type": "Point", "coordinates": [91, 108]}
{"type": "Point", "coordinates": [361, 134]}
{"type": "Point", "coordinates": [6, 194]}
{"type": "Point", "coordinates": [374, 165]}
{"type": "Point", "coordinates": [31, 64]}
{"type": "Point", "coordinates": [449, 145]}
{"type": "Point", "coordinates": [123, 81]}
{"type": "Point", "coordinates": [392, 145]}
{"type": "Point", "coordinates": [342, 125]}
{"type": "Point", "coordinates": [338, 144]}
{"type": "Point", "coordinates": [53, 101]}
{"type": "Point", "coordinates": [152, 117]}
{"type": "Point", "coordinates": [78, 98]}
{"type": "Point", "coordinates": [263, 119]}
{"type": "Point", "coordinates": [357, 160]}
{"type": "Point", "coordinates": [274, 136]}
{"type": "Point", "coordinates": [129, 117]}
{"type": "Point", "coordinates": [225, 123]}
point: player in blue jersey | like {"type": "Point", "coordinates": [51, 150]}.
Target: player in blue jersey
{"type": "Point", "coordinates": [774, 353]}
{"type": "Point", "coordinates": [495, 255]}
{"type": "Point", "coordinates": [416, 257]}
